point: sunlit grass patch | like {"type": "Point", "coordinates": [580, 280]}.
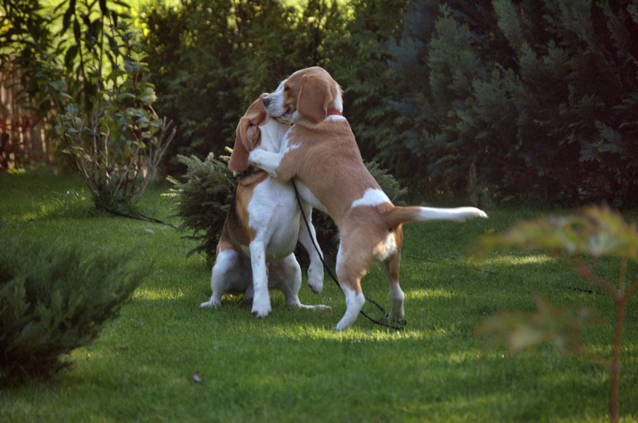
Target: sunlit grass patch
{"type": "Point", "coordinates": [514, 260]}
{"type": "Point", "coordinates": [429, 293]}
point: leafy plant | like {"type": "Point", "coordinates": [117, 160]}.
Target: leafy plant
{"type": "Point", "coordinates": [54, 298]}
{"type": "Point", "coordinates": [116, 139]}
{"type": "Point", "coordinates": [580, 240]}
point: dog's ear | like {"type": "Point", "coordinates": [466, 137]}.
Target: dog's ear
{"type": "Point", "coordinates": [246, 139]}
{"type": "Point", "coordinates": [314, 97]}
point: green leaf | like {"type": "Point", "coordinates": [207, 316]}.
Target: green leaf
{"type": "Point", "coordinates": [70, 55]}
{"type": "Point", "coordinates": [147, 96]}
{"type": "Point", "coordinates": [66, 20]}
{"type": "Point", "coordinates": [72, 109]}
{"type": "Point", "coordinates": [77, 33]}
{"type": "Point", "coordinates": [132, 68]}
{"type": "Point", "coordinates": [122, 96]}
{"type": "Point", "coordinates": [42, 101]}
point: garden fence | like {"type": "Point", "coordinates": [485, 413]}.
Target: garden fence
{"type": "Point", "coordinates": [22, 134]}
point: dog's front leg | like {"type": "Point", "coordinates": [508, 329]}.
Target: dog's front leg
{"type": "Point", "coordinates": [265, 160]}
{"type": "Point", "coordinates": [261, 298]}
{"type": "Point", "coordinates": [308, 238]}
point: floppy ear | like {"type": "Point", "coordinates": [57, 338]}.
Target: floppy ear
{"type": "Point", "coordinates": [314, 97]}
{"type": "Point", "coordinates": [245, 140]}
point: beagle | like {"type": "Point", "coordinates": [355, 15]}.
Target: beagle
{"type": "Point", "coordinates": [255, 249]}
{"type": "Point", "coordinates": [320, 151]}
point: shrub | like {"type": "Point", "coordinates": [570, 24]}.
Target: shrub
{"type": "Point", "coordinates": [115, 138]}
{"type": "Point", "coordinates": [525, 98]}
{"type": "Point", "coordinates": [55, 298]}
{"type": "Point", "coordinates": [203, 200]}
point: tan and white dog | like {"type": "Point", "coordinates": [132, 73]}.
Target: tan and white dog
{"type": "Point", "coordinates": [255, 249]}
{"type": "Point", "coordinates": [320, 151]}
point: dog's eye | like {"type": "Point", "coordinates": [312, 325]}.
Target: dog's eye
{"type": "Point", "coordinates": [286, 88]}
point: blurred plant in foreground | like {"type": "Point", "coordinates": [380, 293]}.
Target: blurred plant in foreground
{"type": "Point", "coordinates": [580, 240]}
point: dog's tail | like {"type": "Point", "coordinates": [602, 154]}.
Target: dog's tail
{"type": "Point", "coordinates": [399, 215]}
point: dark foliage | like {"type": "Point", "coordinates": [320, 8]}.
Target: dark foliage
{"type": "Point", "coordinates": [212, 58]}
{"type": "Point", "coordinates": [495, 100]}
{"type": "Point", "coordinates": [55, 298]}
{"type": "Point", "coordinates": [24, 35]}
{"type": "Point", "coordinates": [359, 62]}
{"type": "Point", "coordinates": [524, 99]}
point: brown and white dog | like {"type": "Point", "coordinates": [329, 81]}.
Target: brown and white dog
{"type": "Point", "coordinates": [255, 249]}
{"type": "Point", "coordinates": [320, 151]}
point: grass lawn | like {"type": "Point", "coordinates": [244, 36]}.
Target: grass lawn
{"type": "Point", "coordinates": [292, 366]}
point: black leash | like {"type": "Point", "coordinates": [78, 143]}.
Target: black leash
{"type": "Point", "coordinates": [325, 266]}
{"type": "Point", "coordinates": [142, 218]}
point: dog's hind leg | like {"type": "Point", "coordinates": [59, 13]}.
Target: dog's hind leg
{"type": "Point", "coordinates": [285, 275]}
{"type": "Point", "coordinates": [391, 269]}
{"type": "Point", "coordinates": [230, 272]}
{"type": "Point", "coordinates": [350, 271]}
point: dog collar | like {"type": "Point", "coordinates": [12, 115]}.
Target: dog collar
{"type": "Point", "coordinates": [330, 113]}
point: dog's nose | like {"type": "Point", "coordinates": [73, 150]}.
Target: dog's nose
{"type": "Point", "coordinates": [266, 101]}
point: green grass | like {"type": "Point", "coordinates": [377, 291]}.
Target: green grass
{"type": "Point", "coordinates": [292, 366]}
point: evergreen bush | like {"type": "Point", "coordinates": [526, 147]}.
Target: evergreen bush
{"type": "Point", "coordinates": [55, 298]}
{"type": "Point", "coordinates": [203, 200]}
{"type": "Point", "coordinates": [360, 63]}
{"type": "Point", "coordinates": [524, 98]}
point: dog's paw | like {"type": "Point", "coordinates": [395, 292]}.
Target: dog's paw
{"type": "Point", "coordinates": [343, 325]}
{"type": "Point", "coordinates": [261, 309]}
{"type": "Point", "coordinates": [260, 314]}
{"type": "Point", "coordinates": [315, 280]}
{"type": "Point", "coordinates": [315, 285]}
{"type": "Point", "coordinates": [210, 303]}
{"type": "Point", "coordinates": [396, 315]}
